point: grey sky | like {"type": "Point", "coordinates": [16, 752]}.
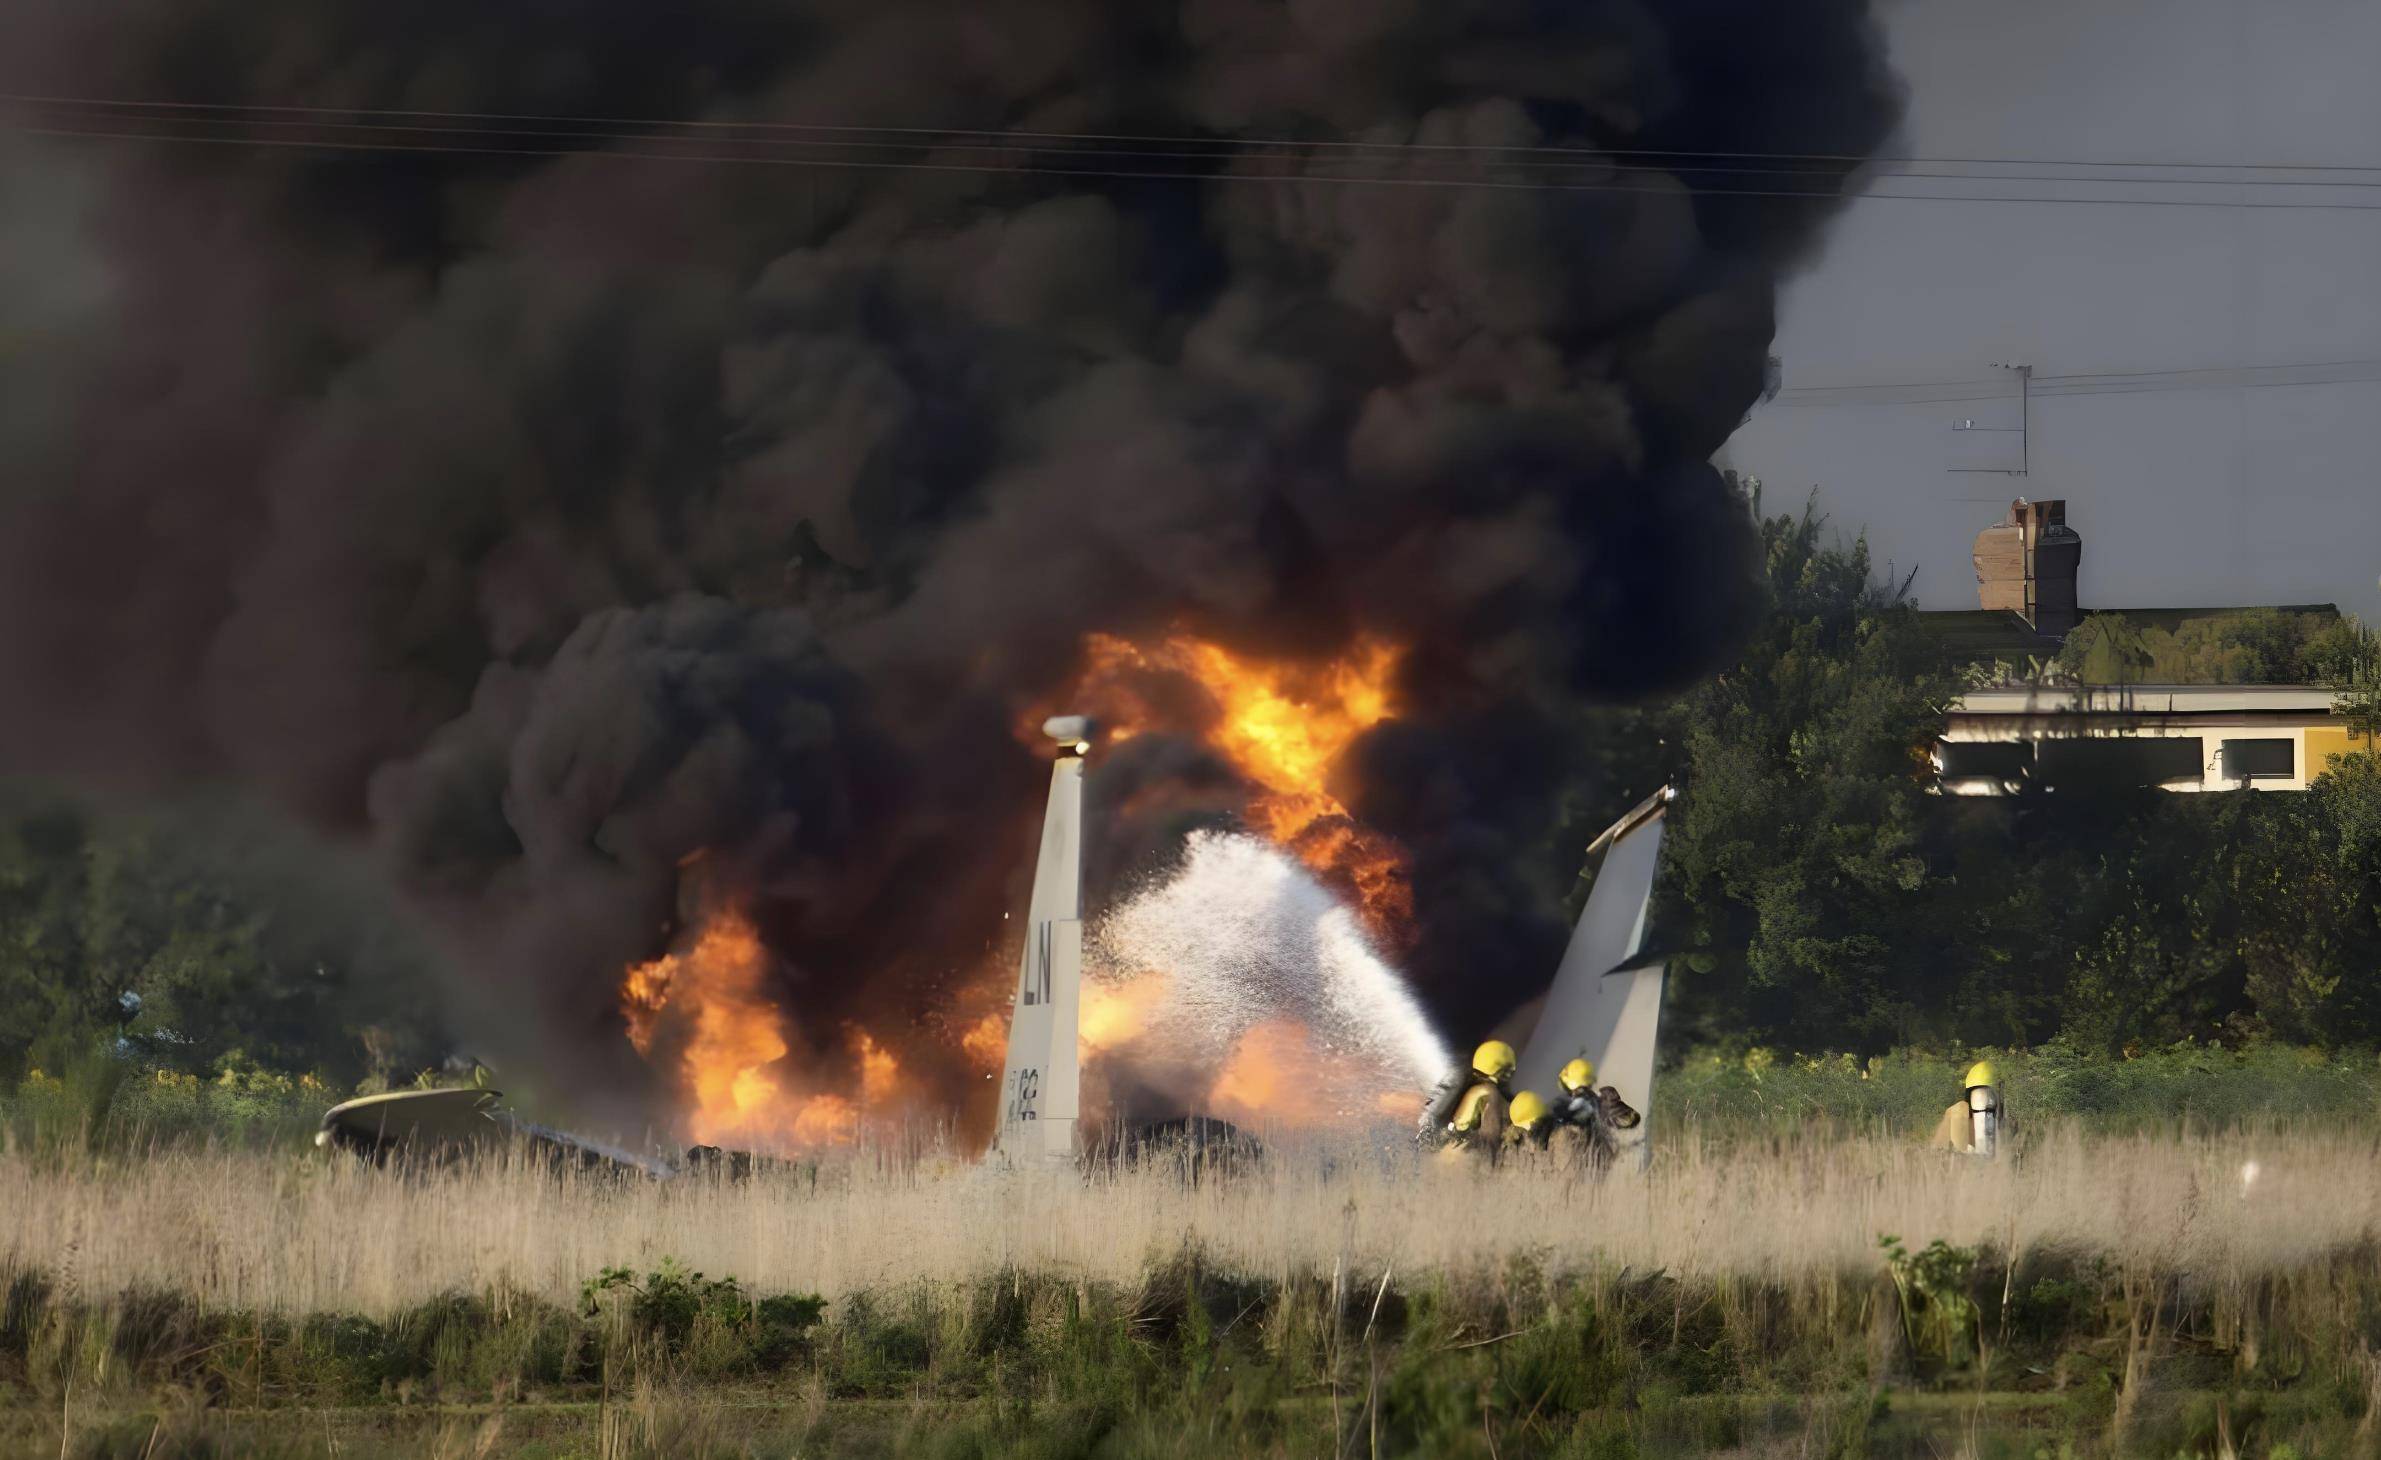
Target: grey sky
{"type": "Point", "coordinates": [2228, 493]}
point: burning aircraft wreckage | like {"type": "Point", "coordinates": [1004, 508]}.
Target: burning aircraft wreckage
{"type": "Point", "coordinates": [646, 555]}
{"type": "Point", "coordinates": [1243, 972]}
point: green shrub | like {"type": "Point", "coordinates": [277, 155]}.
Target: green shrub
{"type": "Point", "coordinates": [714, 1321]}
{"type": "Point", "coordinates": [1938, 1311]}
{"type": "Point", "coordinates": [1757, 1090]}
{"type": "Point", "coordinates": [1197, 1360]}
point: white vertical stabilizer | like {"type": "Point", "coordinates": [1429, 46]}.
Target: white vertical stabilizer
{"type": "Point", "coordinates": [1606, 1002]}
{"type": "Point", "coordinates": [1041, 1086]}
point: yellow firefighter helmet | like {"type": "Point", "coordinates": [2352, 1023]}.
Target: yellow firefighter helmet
{"type": "Point", "coordinates": [1528, 1110]}
{"type": "Point", "coordinates": [1494, 1060]}
{"type": "Point", "coordinates": [1980, 1073]}
{"type": "Point", "coordinates": [1577, 1075]}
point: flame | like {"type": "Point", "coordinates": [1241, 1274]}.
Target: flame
{"type": "Point", "coordinates": [642, 998]}
{"type": "Point", "coordinates": [1282, 725]}
{"type": "Point", "coordinates": [1113, 1013]}
{"type": "Point", "coordinates": [733, 1032]}
{"type": "Point", "coordinates": [987, 1040]}
{"type": "Point", "coordinates": [731, 1039]}
{"type": "Point", "coordinates": [880, 1073]}
{"type": "Point", "coordinates": [1117, 1013]}
{"type": "Point", "coordinates": [824, 1120]}
{"type": "Point", "coordinates": [1278, 1076]}
{"type": "Point", "coordinates": [1373, 866]}
{"type": "Point", "coordinates": [1256, 1077]}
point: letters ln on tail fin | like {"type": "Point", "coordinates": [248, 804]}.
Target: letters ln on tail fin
{"type": "Point", "coordinates": [1606, 1002]}
{"type": "Point", "coordinates": [1040, 1087]}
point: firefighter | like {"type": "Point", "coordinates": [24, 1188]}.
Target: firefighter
{"type": "Point", "coordinates": [1588, 1117]}
{"type": "Point", "coordinates": [1470, 1106]}
{"type": "Point", "coordinates": [1531, 1125]}
{"type": "Point", "coordinates": [1581, 1104]}
{"type": "Point", "coordinates": [1577, 1084]}
{"type": "Point", "coordinates": [1971, 1125]}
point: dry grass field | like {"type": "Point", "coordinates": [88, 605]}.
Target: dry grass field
{"type": "Point", "coordinates": [272, 1232]}
{"type": "Point", "coordinates": [2197, 1293]}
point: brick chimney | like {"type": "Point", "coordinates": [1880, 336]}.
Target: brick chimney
{"type": "Point", "coordinates": [2026, 563]}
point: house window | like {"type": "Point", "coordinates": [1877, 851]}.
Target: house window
{"type": "Point", "coordinates": [1998, 760]}
{"type": "Point", "coordinates": [2085, 763]}
{"type": "Point", "coordinates": [2262, 759]}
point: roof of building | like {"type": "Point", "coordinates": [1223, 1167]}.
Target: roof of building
{"type": "Point", "coordinates": [2145, 699]}
{"type": "Point", "coordinates": [1980, 635]}
{"type": "Point", "coordinates": [2175, 618]}
{"type": "Point", "coordinates": [1983, 635]}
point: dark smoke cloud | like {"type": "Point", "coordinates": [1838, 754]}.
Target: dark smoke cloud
{"type": "Point", "coordinates": [545, 522]}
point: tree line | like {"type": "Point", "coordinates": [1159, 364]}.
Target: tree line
{"type": "Point", "coordinates": [1820, 897]}
{"type": "Point", "coordinates": [1816, 894]}
{"type": "Point", "coordinates": [199, 936]}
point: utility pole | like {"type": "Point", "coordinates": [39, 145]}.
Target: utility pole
{"type": "Point", "coordinates": [2023, 430]}
{"type": "Point", "coordinates": [2025, 417]}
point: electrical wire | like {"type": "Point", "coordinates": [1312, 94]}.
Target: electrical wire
{"type": "Point", "coordinates": [2105, 382]}
{"type": "Point", "coordinates": [464, 136]}
{"type": "Point", "coordinates": [831, 163]}
{"type": "Point", "coordinates": [1029, 136]}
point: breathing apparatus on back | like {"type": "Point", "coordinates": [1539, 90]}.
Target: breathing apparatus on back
{"type": "Point", "coordinates": [1492, 1064]}
{"type": "Point", "coordinates": [1984, 1110]}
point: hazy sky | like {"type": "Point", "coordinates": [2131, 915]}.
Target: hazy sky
{"type": "Point", "coordinates": [2222, 493]}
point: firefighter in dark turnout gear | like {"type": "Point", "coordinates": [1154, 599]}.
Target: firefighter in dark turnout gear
{"type": "Point", "coordinates": [1582, 1120]}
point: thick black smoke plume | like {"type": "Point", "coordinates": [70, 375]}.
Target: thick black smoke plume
{"type": "Point", "coordinates": [546, 520]}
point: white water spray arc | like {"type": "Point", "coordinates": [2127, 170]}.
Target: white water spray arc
{"type": "Point", "coordinates": [1260, 965]}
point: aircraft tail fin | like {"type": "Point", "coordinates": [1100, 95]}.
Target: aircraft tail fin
{"type": "Point", "coordinates": [1606, 1002]}
{"type": "Point", "coordinates": [1041, 1083]}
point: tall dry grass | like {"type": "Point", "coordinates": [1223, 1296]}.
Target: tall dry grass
{"type": "Point", "coordinates": [255, 1230]}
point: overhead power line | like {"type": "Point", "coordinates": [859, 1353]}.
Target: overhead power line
{"type": "Point", "coordinates": [721, 142]}
{"type": "Point", "coordinates": [1031, 137]}
{"type": "Point", "coordinates": [89, 121]}
{"type": "Point", "coordinates": [2107, 382]}
{"type": "Point", "coordinates": [648, 147]}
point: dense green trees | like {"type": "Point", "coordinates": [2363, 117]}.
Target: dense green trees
{"type": "Point", "coordinates": [2249, 646]}
{"type": "Point", "coordinates": [198, 934]}
{"type": "Point", "coordinates": [1822, 899]}
{"type": "Point", "coordinates": [1798, 873]}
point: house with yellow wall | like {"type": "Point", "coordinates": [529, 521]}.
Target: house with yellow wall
{"type": "Point", "coordinates": [2065, 697]}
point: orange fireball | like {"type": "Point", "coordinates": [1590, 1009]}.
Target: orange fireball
{"type": "Point", "coordinates": [711, 1001]}
{"type": "Point", "coordinates": [1117, 1013]}
{"type": "Point", "coordinates": [1283, 725]}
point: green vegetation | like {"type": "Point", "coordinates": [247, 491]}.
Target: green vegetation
{"type": "Point", "coordinates": [2057, 1355]}
{"type": "Point", "coordinates": [1935, 1290]}
{"type": "Point", "coordinates": [102, 1101]}
{"type": "Point", "coordinates": [201, 939]}
{"type": "Point", "coordinates": [1821, 898]}
{"type": "Point", "coordinates": [682, 1312]}
{"type": "Point", "coordinates": [2246, 646]}
{"type": "Point", "coordinates": [1720, 1093]}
